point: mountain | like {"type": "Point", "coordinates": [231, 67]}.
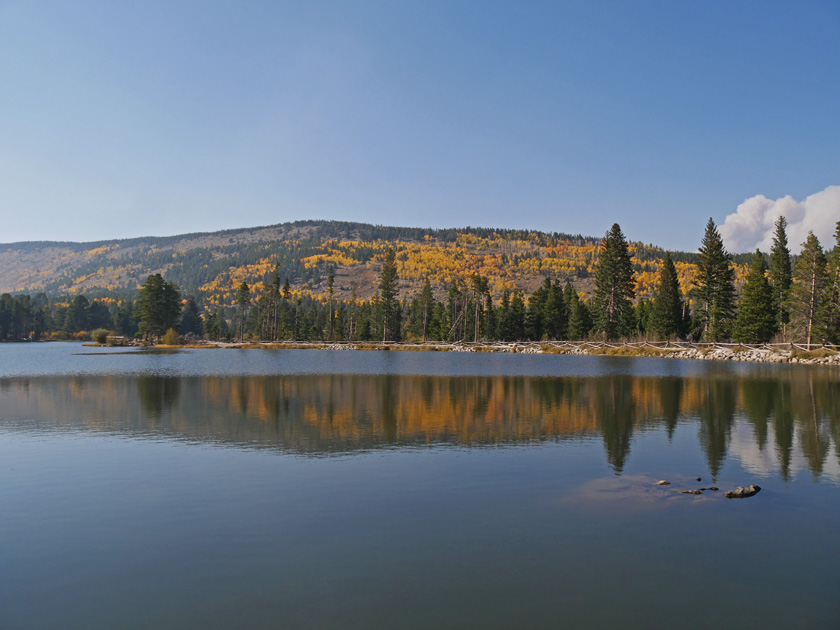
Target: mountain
{"type": "Point", "coordinates": [212, 265]}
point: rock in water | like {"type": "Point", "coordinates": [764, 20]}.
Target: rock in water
{"type": "Point", "coordinates": [663, 483]}
{"type": "Point", "coordinates": [742, 493]}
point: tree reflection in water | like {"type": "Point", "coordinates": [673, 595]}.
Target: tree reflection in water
{"type": "Point", "coordinates": [788, 412]}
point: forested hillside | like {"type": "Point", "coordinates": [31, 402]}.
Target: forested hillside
{"type": "Point", "coordinates": [342, 281]}
{"type": "Point", "coordinates": [211, 266]}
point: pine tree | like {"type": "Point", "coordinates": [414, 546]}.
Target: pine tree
{"type": "Point", "coordinates": [614, 286]}
{"type": "Point", "coordinates": [715, 290]}
{"type": "Point", "coordinates": [516, 318]}
{"type": "Point", "coordinates": [426, 303]}
{"type": "Point", "coordinates": [830, 308]}
{"type": "Point", "coordinates": [243, 300]}
{"type": "Point", "coordinates": [191, 320]}
{"type": "Point", "coordinates": [330, 295]}
{"type": "Point", "coordinates": [809, 279]}
{"type": "Point", "coordinates": [755, 321]}
{"type": "Point", "coordinates": [389, 306]}
{"type": "Point", "coordinates": [780, 274]}
{"type": "Point", "coordinates": [555, 319]}
{"type": "Point", "coordinates": [158, 306]}
{"type": "Point", "coordinates": [534, 325]}
{"type": "Point", "coordinates": [580, 319]}
{"type": "Point", "coordinates": [668, 306]}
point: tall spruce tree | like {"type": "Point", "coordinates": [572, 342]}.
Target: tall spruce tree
{"type": "Point", "coordinates": [427, 302]}
{"type": "Point", "coordinates": [555, 315]}
{"type": "Point", "coordinates": [715, 290]}
{"type": "Point", "coordinates": [830, 308]}
{"type": "Point", "coordinates": [668, 306]}
{"type": "Point", "coordinates": [809, 279]}
{"type": "Point", "coordinates": [755, 321]}
{"type": "Point", "coordinates": [388, 304]}
{"type": "Point", "coordinates": [614, 286]}
{"type": "Point", "coordinates": [781, 275]}
{"type": "Point", "coordinates": [580, 319]}
{"type": "Point", "coordinates": [243, 302]}
{"type": "Point", "coordinates": [158, 306]}
{"type": "Point", "coordinates": [191, 323]}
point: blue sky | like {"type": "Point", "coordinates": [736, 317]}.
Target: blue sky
{"type": "Point", "coordinates": [128, 119]}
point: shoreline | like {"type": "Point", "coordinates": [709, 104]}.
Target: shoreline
{"type": "Point", "coordinates": [781, 353]}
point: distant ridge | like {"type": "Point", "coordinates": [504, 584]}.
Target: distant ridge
{"type": "Point", "coordinates": [211, 264]}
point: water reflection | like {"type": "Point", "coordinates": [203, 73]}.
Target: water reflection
{"type": "Point", "coordinates": [790, 413]}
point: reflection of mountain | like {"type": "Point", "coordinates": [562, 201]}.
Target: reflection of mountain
{"type": "Point", "coordinates": [343, 413]}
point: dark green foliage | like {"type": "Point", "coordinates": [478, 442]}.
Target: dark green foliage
{"type": "Point", "coordinates": [614, 286]}
{"type": "Point", "coordinates": [643, 313]}
{"type": "Point", "coordinates": [243, 302]}
{"type": "Point", "coordinates": [667, 314]}
{"type": "Point", "coordinates": [158, 306]}
{"type": "Point", "coordinates": [124, 322]}
{"type": "Point", "coordinates": [546, 316]}
{"type": "Point", "coordinates": [830, 306]}
{"type": "Point", "coordinates": [389, 306]}
{"type": "Point", "coordinates": [715, 292]}
{"type": "Point", "coordinates": [809, 280]}
{"type": "Point", "coordinates": [190, 319]}
{"type": "Point", "coordinates": [76, 318]}
{"type": "Point", "coordinates": [755, 321]}
{"type": "Point", "coordinates": [780, 273]}
{"type": "Point", "coordinates": [580, 318]}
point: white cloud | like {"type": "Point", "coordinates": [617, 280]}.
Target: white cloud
{"type": "Point", "coordinates": [752, 223]}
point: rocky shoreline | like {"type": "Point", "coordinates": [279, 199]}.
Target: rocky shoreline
{"type": "Point", "coordinates": [705, 352]}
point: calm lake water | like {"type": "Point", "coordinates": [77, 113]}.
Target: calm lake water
{"type": "Point", "coordinates": [318, 489]}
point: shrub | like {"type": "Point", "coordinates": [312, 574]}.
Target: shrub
{"type": "Point", "coordinates": [100, 336]}
{"type": "Point", "coordinates": [170, 338]}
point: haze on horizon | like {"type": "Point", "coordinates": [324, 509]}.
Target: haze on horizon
{"type": "Point", "coordinates": [124, 120]}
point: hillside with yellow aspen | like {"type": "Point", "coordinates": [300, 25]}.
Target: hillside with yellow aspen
{"type": "Point", "coordinates": [212, 266]}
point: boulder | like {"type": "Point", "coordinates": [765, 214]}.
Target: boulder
{"type": "Point", "coordinates": [742, 493]}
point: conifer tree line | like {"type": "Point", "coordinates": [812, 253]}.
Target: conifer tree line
{"type": "Point", "coordinates": [778, 300]}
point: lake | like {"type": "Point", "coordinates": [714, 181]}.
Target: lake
{"type": "Point", "coordinates": [341, 489]}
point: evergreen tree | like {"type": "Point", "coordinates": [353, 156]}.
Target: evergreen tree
{"type": "Point", "coordinates": [77, 318]}
{"type": "Point", "coordinates": [426, 303]}
{"type": "Point", "coordinates": [534, 328]}
{"type": "Point", "coordinates": [243, 301]}
{"type": "Point", "coordinates": [755, 321]}
{"type": "Point", "coordinates": [124, 321]}
{"type": "Point", "coordinates": [480, 287]}
{"type": "Point", "coordinates": [389, 306]}
{"type": "Point", "coordinates": [190, 319]}
{"type": "Point", "coordinates": [158, 306]}
{"type": "Point", "coordinates": [555, 316]}
{"type": "Point", "coordinates": [780, 274]}
{"type": "Point", "coordinates": [668, 306]}
{"type": "Point", "coordinates": [516, 318]}
{"type": "Point", "coordinates": [642, 316]}
{"type": "Point", "coordinates": [809, 280]}
{"type": "Point", "coordinates": [715, 290]}
{"type": "Point", "coordinates": [830, 308]}
{"type": "Point", "coordinates": [614, 286]}
{"type": "Point", "coordinates": [330, 294]}
{"type": "Point", "coordinates": [580, 319]}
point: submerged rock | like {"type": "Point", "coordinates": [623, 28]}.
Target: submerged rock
{"type": "Point", "coordinates": [742, 493]}
{"type": "Point", "coordinates": [690, 492]}
{"type": "Point", "coordinates": [663, 483]}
